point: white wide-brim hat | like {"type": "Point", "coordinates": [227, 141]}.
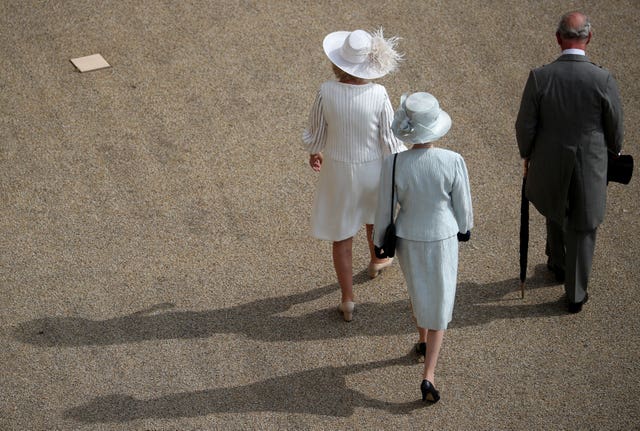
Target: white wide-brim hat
{"type": "Point", "coordinates": [362, 54]}
{"type": "Point", "coordinates": [419, 119]}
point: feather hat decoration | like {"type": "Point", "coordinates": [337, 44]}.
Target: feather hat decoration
{"type": "Point", "coordinates": [383, 52]}
{"type": "Point", "coordinates": [362, 54]}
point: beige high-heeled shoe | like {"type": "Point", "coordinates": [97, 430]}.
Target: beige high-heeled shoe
{"type": "Point", "coordinates": [375, 268]}
{"type": "Point", "coordinates": [346, 308]}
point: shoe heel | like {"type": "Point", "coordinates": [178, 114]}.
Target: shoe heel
{"type": "Point", "coordinates": [420, 350]}
{"type": "Point", "coordinates": [346, 308]}
{"type": "Point", "coordinates": [429, 392]}
{"type": "Point", "coordinates": [374, 269]}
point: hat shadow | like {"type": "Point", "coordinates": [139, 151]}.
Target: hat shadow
{"type": "Point", "coordinates": [319, 391]}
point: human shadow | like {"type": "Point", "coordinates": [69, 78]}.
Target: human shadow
{"type": "Point", "coordinates": [320, 391]}
{"type": "Point", "coordinates": [478, 304]}
{"type": "Point", "coordinates": [264, 319]}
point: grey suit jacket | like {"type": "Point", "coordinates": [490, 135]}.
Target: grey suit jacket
{"type": "Point", "coordinates": [570, 114]}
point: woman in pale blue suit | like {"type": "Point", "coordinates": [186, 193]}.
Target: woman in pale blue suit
{"type": "Point", "coordinates": [433, 194]}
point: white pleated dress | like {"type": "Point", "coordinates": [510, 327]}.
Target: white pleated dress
{"type": "Point", "coordinates": [434, 199]}
{"type": "Point", "coordinates": [351, 126]}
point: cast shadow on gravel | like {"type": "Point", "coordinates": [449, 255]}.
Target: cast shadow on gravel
{"type": "Point", "coordinates": [479, 304]}
{"type": "Point", "coordinates": [320, 391]}
{"type": "Point", "coordinates": [267, 319]}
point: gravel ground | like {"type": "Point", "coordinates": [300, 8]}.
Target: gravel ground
{"type": "Point", "coordinates": [157, 271]}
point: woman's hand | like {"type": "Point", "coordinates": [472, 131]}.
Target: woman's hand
{"type": "Point", "coordinates": [315, 161]}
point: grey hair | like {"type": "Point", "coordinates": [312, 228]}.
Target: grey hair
{"type": "Point", "coordinates": [567, 32]}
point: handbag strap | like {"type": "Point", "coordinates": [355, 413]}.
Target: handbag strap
{"type": "Point", "coordinates": [393, 183]}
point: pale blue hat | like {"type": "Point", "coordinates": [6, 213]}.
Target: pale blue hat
{"type": "Point", "coordinates": [419, 119]}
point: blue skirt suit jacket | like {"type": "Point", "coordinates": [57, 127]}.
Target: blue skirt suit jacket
{"type": "Point", "coordinates": [433, 194]}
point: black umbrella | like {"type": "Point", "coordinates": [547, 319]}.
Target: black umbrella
{"type": "Point", "coordinates": [524, 236]}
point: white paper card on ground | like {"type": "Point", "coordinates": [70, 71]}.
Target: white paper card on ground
{"type": "Point", "coordinates": [90, 62]}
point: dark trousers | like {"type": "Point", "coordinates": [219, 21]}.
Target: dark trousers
{"type": "Point", "coordinates": [571, 250]}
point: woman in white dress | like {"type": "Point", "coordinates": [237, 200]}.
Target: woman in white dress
{"type": "Point", "coordinates": [434, 199]}
{"type": "Point", "coordinates": [349, 133]}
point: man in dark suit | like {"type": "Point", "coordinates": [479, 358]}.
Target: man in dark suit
{"type": "Point", "coordinates": [569, 116]}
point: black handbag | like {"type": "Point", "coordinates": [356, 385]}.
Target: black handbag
{"type": "Point", "coordinates": [388, 248]}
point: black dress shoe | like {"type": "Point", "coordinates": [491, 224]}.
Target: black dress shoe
{"type": "Point", "coordinates": [429, 392]}
{"type": "Point", "coordinates": [576, 307]}
{"type": "Point", "coordinates": [558, 272]}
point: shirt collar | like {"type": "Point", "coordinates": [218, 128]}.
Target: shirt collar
{"type": "Point", "coordinates": [574, 51]}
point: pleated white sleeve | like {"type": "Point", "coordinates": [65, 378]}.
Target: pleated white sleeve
{"type": "Point", "coordinates": [314, 137]}
{"type": "Point", "coordinates": [391, 144]}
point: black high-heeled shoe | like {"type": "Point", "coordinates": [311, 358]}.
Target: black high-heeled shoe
{"type": "Point", "coordinates": [421, 349]}
{"type": "Point", "coordinates": [429, 392]}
